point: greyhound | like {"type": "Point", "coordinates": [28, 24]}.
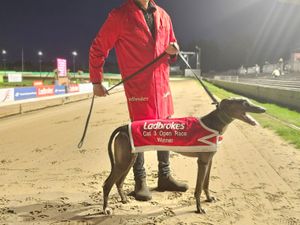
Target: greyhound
{"type": "Point", "coordinates": [123, 159]}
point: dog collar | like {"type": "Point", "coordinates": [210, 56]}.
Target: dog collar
{"type": "Point", "coordinates": [224, 117]}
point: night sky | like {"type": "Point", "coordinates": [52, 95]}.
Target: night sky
{"type": "Point", "coordinates": [230, 32]}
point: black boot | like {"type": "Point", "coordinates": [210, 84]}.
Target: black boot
{"type": "Point", "coordinates": [168, 183]}
{"type": "Point", "coordinates": [141, 190]}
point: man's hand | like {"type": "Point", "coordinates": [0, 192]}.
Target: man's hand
{"type": "Point", "coordinates": [99, 90]}
{"type": "Point", "coordinates": [173, 48]}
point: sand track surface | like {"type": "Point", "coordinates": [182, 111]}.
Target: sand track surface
{"type": "Point", "coordinates": [45, 179]}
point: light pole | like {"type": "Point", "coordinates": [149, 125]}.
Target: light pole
{"type": "Point", "coordinates": [186, 56]}
{"type": "Point", "coordinates": [40, 54]}
{"type": "Point", "coordinates": [280, 62]}
{"type": "Point", "coordinates": [4, 59]}
{"type": "Point", "coordinates": [74, 53]}
{"type": "Point", "coordinates": [198, 57]}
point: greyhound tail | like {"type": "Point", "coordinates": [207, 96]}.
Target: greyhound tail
{"type": "Point", "coordinates": [111, 139]}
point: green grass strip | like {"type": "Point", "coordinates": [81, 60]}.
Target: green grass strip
{"type": "Point", "coordinates": [277, 118]}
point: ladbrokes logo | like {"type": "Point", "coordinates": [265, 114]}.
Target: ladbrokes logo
{"type": "Point", "coordinates": [73, 88]}
{"type": "Point", "coordinates": [45, 91]}
{"type": "Point", "coordinates": [160, 125]}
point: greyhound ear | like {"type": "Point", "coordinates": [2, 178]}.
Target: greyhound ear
{"type": "Point", "coordinates": [224, 102]}
{"type": "Point", "coordinates": [246, 103]}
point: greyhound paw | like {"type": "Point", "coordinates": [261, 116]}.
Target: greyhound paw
{"type": "Point", "coordinates": [211, 199]}
{"type": "Point", "coordinates": [124, 201]}
{"type": "Point", "coordinates": [107, 211]}
{"type": "Point", "coordinates": [200, 211]}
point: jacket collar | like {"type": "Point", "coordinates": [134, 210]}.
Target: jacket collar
{"type": "Point", "coordinates": [133, 6]}
{"type": "Point", "coordinates": [139, 14]}
{"type": "Point", "coordinates": [151, 6]}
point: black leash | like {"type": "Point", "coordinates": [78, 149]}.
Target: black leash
{"type": "Point", "coordinates": [121, 82]}
{"type": "Point", "coordinates": [86, 124]}
{"type": "Point", "coordinates": [215, 101]}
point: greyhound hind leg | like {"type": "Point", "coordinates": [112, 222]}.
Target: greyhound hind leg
{"type": "Point", "coordinates": [124, 159]}
{"type": "Point", "coordinates": [120, 181]}
{"type": "Point", "coordinates": [114, 175]}
{"type": "Point", "coordinates": [121, 166]}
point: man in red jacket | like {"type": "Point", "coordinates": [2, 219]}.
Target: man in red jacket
{"type": "Point", "coordinates": [140, 31]}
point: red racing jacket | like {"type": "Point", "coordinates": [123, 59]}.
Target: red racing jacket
{"type": "Point", "coordinates": [148, 94]}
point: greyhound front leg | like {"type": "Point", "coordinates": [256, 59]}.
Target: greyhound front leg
{"type": "Point", "coordinates": [202, 169]}
{"type": "Point", "coordinates": [206, 184]}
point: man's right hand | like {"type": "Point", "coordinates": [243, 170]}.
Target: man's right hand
{"type": "Point", "coordinates": [99, 90]}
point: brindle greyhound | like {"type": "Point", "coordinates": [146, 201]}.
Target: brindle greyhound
{"type": "Point", "coordinates": [219, 119]}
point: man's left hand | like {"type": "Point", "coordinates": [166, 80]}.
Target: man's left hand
{"type": "Point", "coordinates": [173, 48]}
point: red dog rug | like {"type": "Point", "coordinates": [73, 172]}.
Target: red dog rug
{"type": "Point", "coordinates": [187, 134]}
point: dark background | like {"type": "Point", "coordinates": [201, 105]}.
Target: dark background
{"type": "Point", "coordinates": [230, 33]}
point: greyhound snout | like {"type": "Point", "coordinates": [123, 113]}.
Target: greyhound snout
{"type": "Point", "coordinates": [252, 109]}
{"type": "Point", "coordinates": [255, 109]}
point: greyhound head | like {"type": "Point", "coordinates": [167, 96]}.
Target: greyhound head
{"type": "Point", "coordinates": [237, 108]}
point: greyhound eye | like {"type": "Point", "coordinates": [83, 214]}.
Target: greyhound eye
{"type": "Point", "coordinates": [246, 104]}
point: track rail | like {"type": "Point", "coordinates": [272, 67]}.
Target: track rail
{"type": "Point", "coordinates": [281, 84]}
